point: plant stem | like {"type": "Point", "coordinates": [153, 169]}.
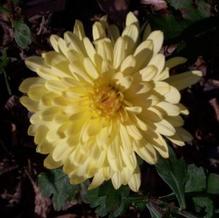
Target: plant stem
{"type": "Point", "coordinates": [7, 83]}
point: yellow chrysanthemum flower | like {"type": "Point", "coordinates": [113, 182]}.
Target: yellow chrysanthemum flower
{"type": "Point", "coordinates": [97, 105]}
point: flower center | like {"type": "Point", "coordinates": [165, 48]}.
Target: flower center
{"type": "Point", "coordinates": [107, 100]}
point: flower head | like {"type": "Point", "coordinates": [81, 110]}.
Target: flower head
{"type": "Point", "coordinates": [98, 105]}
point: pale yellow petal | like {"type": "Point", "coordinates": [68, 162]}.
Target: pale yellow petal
{"type": "Point", "coordinates": [91, 52]}
{"type": "Point", "coordinates": [134, 181]}
{"type": "Point", "coordinates": [131, 19]}
{"type": "Point", "coordinates": [116, 180]}
{"type": "Point", "coordinates": [97, 180]}
{"type": "Point", "coordinates": [165, 128]}
{"type": "Point", "coordinates": [31, 105]}
{"type": "Point", "coordinates": [147, 153]}
{"type": "Point", "coordinates": [27, 83]}
{"type": "Point", "coordinates": [50, 163]}
{"type": "Point", "coordinates": [104, 49]}
{"type": "Point", "coordinates": [157, 38]}
{"type": "Point", "coordinates": [172, 62]}
{"type": "Point", "coordinates": [98, 31]}
{"type": "Point", "coordinates": [90, 68]}
{"type": "Point", "coordinates": [173, 95]}
{"type": "Point", "coordinates": [54, 42]}
{"type": "Point", "coordinates": [185, 80]}
{"type": "Point", "coordinates": [79, 29]}
{"type": "Point", "coordinates": [132, 32]}
{"type": "Point", "coordinates": [119, 52]}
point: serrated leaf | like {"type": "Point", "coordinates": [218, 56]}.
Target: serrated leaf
{"type": "Point", "coordinates": [22, 34]}
{"type": "Point", "coordinates": [204, 203]}
{"type": "Point", "coordinates": [213, 184]}
{"type": "Point", "coordinates": [107, 200]}
{"type": "Point", "coordinates": [196, 179]}
{"type": "Point", "coordinates": [173, 172]}
{"type": "Point", "coordinates": [55, 184]}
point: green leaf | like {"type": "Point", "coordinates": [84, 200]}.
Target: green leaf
{"type": "Point", "coordinates": [191, 11]}
{"type": "Point", "coordinates": [22, 34]}
{"type": "Point", "coordinates": [196, 179]}
{"type": "Point", "coordinates": [173, 172]}
{"type": "Point", "coordinates": [154, 211]}
{"type": "Point", "coordinates": [204, 204]}
{"type": "Point", "coordinates": [4, 10]}
{"type": "Point", "coordinates": [107, 200]}
{"type": "Point", "coordinates": [179, 4]}
{"type": "Point", "coordinates": [4, 60]}
{"type": "Point", "coordinates": [168, 23]}
{"type": "Point", "coordinates": [213, 184]}
{"type": "Point", "coordinates": [55, 184]}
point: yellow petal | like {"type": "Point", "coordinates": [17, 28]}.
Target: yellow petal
{"type": "Point", "coordinates": [180, 137]}
{"type": "Point", "coordinates": [27, 83]}
{"type": "Point", "coordinates": [128, 65]}
{"type": "Point", "coordinates": [173, 96]}
{"type": "Point", "coordinates": [184, 80]}
{"type": "Point", "coordinates": [168, 108]}
{"type": "Point", "coordinates": [97, 180]}
{"type": "Point", "coordinates": [116, 180]}
{"type": "Point", "coordinates": [31, 105]}
{"type": "Point", "coordinates": [36, 92]}
{"type": "Point", "coordinates": [104, 49]}
{"type": "Point", "coordinates": [175, 121]}
{"type": "Point", "coordinates": [143, 53]}
{"type": "Point", "coordinates": [164, 74]}
{"type": "Point", "coordinates": [148, 73]}
{"type": "Point", "coordinates": [157, 38]}
{"type": "Point", "coordinates": [50, 163]}
{"type": "Point", "coordinates": [37, 65]}
{"type": "Point", "coordinates": [172, 62]}
{"type": "Point", "coordinates": [183, 109]}
{"type": "Point", "coordinates": [165, 128]}
{"type": "Point", "coordinates": [129, 159]}
{"type": "Point", "coordinates": [134, 132]}
{"type": "Point", "coordinates": [78, 69]}
{"type": "Point", "coordinates": [54, 42]}
{"type": "Point", "coordinates": [73, 42]}
{"type": "Point", "coordinates": [147, 153]}
{"type": "Point", "coordinates": [131, 19]}
{"type": "Point", "coordinates": [158, 61]}
{"type": "Point", "coordinates": [98, 31]}
{"type": "Point", "coordinates": [132, 32]}
{"type": "Point", "coordinates": [91, 52]}
{"type": "Point", "coordinates": [119, 52]}
{"type": "Point", "coordinates": [135, 181]}
{"type": "Point", "coordinates": [79, 29]}
{"type": "Point", "coordinates": [134, 109]}
{"type": "Point", "coordinates": [90, 68]}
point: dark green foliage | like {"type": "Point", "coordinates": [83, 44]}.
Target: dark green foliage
{"type": "Point", "coordinates": [55, 184]}
{"type": "Point", "coordinates": [173, 172]}
{"type": "Point", "coordinates": [107, 200]}
{"type": "Point", "coordinates": [204, 203]}
{"type": "Point", "coordinates": [213, 183]}
{"type": "Point", "coordinates": [22, 34]}
{"type": "Point", "coordinates": [196, 181]}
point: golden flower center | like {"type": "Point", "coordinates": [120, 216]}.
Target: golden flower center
{"type": "Point", "coordinates": [107, 100]}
